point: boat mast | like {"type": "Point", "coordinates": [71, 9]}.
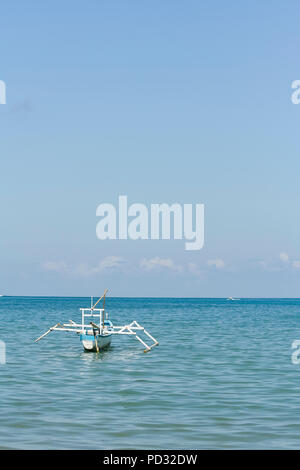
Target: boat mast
{"type": "Point", "coordinates": [101, 325]}
{"type": "Point", "coordinates": [106, 290]}
{"type": "Point", "coordinates": [103, 313]}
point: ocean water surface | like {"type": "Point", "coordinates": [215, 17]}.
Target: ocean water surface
{"type": "Point", "coordinates": [221, 378]}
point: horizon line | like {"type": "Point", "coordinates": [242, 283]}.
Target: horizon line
{"type": "Point", "coordinates": [143, 297]}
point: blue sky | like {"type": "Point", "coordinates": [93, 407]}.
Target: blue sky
{"type": "Point", "coordinates": [163, 101]}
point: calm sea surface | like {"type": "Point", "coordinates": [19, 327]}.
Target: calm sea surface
{"type": "Point", "coordinates": [222, 376]}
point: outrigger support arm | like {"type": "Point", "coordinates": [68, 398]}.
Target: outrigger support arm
{"type": "Point", "coordinates": [47, 332]}
{"type": "Point", "coordinates": [130, 330]}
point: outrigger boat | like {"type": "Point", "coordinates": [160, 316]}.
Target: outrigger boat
{"type": "Point", "coordinates": [97, 336]}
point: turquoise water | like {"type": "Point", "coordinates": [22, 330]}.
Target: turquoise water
{"type": "Point", "coordinates": [222, 376]}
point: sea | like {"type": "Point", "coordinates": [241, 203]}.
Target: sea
{"type": "Point", "coordinates": [222, 376]}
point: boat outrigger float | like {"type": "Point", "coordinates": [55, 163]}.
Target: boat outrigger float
{"type": "Point", "coordinates": [96, 337]}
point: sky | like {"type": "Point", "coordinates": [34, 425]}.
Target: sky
{"type": "Point", "coordinates": [162, 101]}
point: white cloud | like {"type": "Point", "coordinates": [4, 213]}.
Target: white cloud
{"type": "Point", "coordinates": [194, 269]}
{"type": "Point", "coordinates": [270, 266]}
{"type": "Point", "coordinates": [218, 263]}
{"type": "Point", "coordinates": [296, 264]}
{"type": "Point", "coordinates": [83, 269]}
{"type": "Point", "coordinates": [263, 264]}
{"type": "Point", "coordinates": [284, 257]}
{"type": "Point", "coordinates": [108, 263]}
{"type": "Point", "coordinates": [153, 263]}
{"type": "Point", "coordinates": [57, 266]}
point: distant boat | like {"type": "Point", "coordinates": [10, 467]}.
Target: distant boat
{"type": "Point", "coordinates": [232, 298]}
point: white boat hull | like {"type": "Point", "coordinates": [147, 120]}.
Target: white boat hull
{"type": "Point", "coordinates": [89, 342]}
